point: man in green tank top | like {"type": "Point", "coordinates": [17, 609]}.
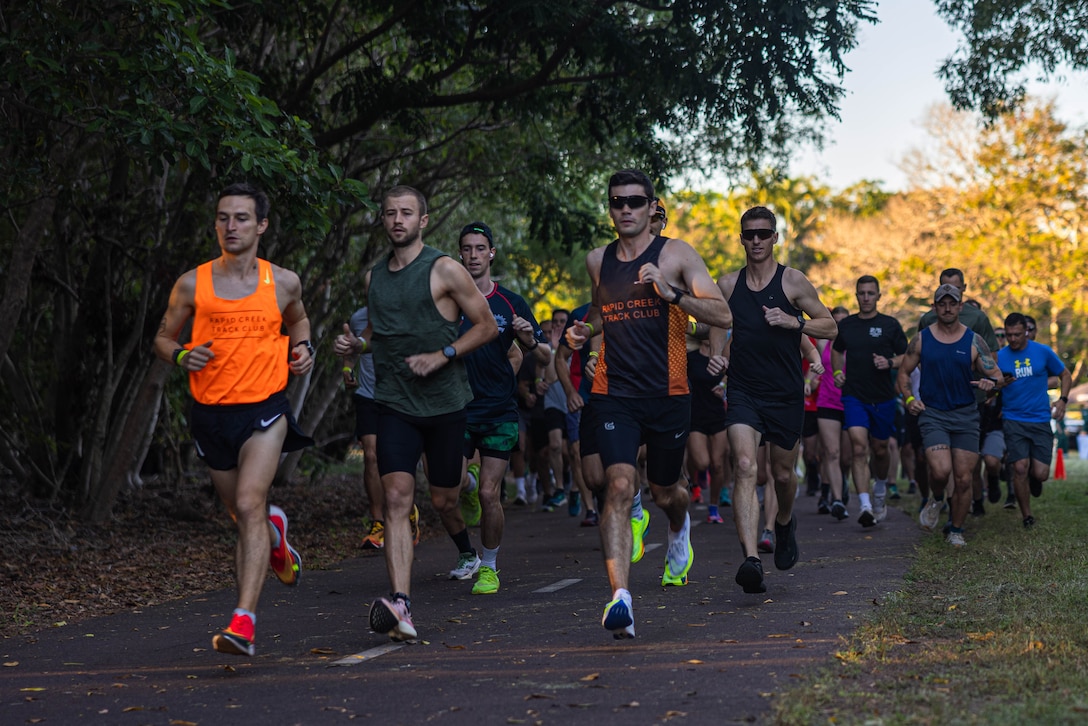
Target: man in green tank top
{"type": "Point", "coordinates": [416, 297]}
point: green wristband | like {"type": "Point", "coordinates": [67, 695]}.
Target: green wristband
{"type": "Point", "coordinates": [179, 355]}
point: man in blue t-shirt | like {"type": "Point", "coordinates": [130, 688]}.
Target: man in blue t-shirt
{"type": "Point", "coordinates": [1029, 438]}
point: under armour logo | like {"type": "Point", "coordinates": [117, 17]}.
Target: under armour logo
{"type": "Point", "coordinates": [609, 426]}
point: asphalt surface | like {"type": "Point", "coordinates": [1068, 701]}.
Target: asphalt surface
{"type": "Point", "coordinates": [535, 652]}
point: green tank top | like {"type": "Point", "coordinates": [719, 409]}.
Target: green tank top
{"type": "Point", "coordinates": [405, 322]}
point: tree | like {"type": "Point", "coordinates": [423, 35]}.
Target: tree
{"type": "Point", "coordinates": [1004, 40]}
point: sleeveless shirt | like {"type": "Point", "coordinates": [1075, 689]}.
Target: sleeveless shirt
{"type": "Point", "coordinates": [946, 372]}
{"type": "Point", "coordinates": [250, 362]}
{"type": "Point", "coordinates": [644, 352]}
{"type": "Point", "coordinates": [764, 360]}
{"type": "Point", "coordinates": [405, 322]}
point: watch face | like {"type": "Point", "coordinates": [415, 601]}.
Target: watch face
{"type": "Point", "coordinates": [449, 351]}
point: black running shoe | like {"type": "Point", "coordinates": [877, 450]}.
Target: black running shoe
{"type": "Point", "coordinates": [1029, 522]}
{"type": "Point", "coordinates": [750, 576]}
{"type": "Point", "coordinates": [838, 510]}
{"type": "Point", "coordinates": [786, 552]}
{"type": "Point", "coordinates": [1035, 486]}
{"type": "Point", "coordinates": [823, 507]}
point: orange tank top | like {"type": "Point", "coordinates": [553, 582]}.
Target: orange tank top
{"type": "Point", "coordinates": [250, 362]}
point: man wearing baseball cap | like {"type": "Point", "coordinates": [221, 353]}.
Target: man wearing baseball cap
{"type": "Point", "coordinates": [948, 416]}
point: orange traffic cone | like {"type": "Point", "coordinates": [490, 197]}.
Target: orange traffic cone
{"type": "Point", "coordinates": [1059, 467]}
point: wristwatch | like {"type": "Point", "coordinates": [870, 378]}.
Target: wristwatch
{"type": "Point", "coordinates": [450, 352]}
{"type": "Point", "coordinates": [309, 347]}
{"type": "Point", "coordinates": [1063, 399]}
{"type": "Point", "coordinates": [800, 322]}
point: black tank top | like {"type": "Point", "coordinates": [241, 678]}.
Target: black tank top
{"type": "Point", "coordinates": [643, 354]}
{"type": "Point", "coordinates": [764, 360]}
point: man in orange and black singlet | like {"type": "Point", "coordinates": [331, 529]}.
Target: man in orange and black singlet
{"type": "Point", "coordinates": [644, 288]}
{"type": "Point", "coordinates": [766, 389]}
{"type": "Point", "coordinates": [237, 363]}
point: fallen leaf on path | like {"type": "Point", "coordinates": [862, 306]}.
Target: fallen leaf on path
{"type": "Point", "coordinates": [674, 714]}
{"type": "Point", "coordinates": [778, 635]}
{"type": "Point", "coordinates": [591, 677]}
{"type": "Point", "coordinates": [454, 647]}
{"type": "Point", "coordinates": [179, 722]}
{"type": "Point", "coordinates": [129, 709]}
{"type": "Point", "coordinates": [840, 592]}
{"type": "Point", "coordinates": [11, 664]}
{"type": "Point", "coordinates": [981, 636]}
{"type": "Point", "coordinates": [533, 696]}
{"type": "Point", "coordinates": [31, 690]}
{"type": "Point", "coordinates": [696, 661]}
{"type": "Point", "coordinates": [322, 651]}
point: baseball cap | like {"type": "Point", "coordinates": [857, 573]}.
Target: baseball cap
{"type": "Point", "coordinates": [477, 228]}
{"type": "Point", "coordinates": [947, 290]}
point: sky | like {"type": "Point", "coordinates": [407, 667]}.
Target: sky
{"type": "Point", "coordinates": [891, 85]}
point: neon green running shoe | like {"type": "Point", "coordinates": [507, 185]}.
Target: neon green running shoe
{"type": "Point", "coordinates": [679, 556]}
{"type": "Point", "coordinates": [638, 533]}
{"type": "Point", "coordinates": [487, 581]}
{"type": "Point", "coordinates": [470, 500]}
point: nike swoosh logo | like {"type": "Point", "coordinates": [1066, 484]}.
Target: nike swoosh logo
{"type": "Point", "coordinates": [266, 423]}
{"type": "Point", "coordinates": [267, 281]}
{"type": "Point", "coordinates": [678, 435]}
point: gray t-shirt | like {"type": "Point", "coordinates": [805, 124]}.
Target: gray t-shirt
{"type": "Point", "coordinates": [364, 369]}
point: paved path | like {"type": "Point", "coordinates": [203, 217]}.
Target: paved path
{"type": "Point", "coordinates": [533, 653]}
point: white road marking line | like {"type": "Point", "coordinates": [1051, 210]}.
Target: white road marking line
{"type": "Point", "coordinates": [559, 585]}
{"type": "Point", "coordinates": [367, 655]}
{"type": "Point", "coordinates": [652, 547]}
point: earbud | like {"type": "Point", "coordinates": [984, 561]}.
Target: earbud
{"type": "Point", "coordinates": [491, 255]}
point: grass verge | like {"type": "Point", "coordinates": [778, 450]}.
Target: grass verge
{"type": "Point", "coordinates": [994, 633]}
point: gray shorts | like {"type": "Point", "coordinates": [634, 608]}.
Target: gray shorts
{"type": "Point", "coordinates": [1029, 441]}
{"type": "Point", "coordinates": [993, 444]}
{"type": "Point", "coordinates": [956, 429]}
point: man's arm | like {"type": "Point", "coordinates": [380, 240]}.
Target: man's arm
{"type": "Point", "coordinates": [581, 331]}
{"type": "Point", "coordinates": [289, 290]}
{"type": "Point", "coordinates": [562, 371]}
{"type": "Point", "coordinates": [838, 360]}
{"type": "Point", "coordinates": [803, 295]}
{"type": "Point", "coordinates": [985, 365]}
{"type": "Point", "coordinates": [906, 366]}
{"type": "Point", "coordinates": [178, 311]}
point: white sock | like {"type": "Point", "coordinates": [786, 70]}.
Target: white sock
{"type": "Point", "coordinates": [880, 487]}
{"type": "Point", "coordinates": [519, 484]}
{"type": "Point", "coordinates": [636, 506]}
{"type": "Point", "coordinates": [488, 557]}
{"type": "Point", "coordinates": [865, 503]}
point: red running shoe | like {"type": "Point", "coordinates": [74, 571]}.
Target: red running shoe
{"type": "Point", "coordinates": [285, 560]}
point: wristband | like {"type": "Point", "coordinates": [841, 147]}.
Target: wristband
{"type": "Point", "coordinates": [592, 354]}
{"type": "Point", "coordinates": [179, 355]}
{"type": "Point", "coordinates": [1063, 399]}
{"type": "Point", "coordinates": [592, 330]}
{"type": "Point", "coordinates": [364, 344]}
{"type": "Point", "coordinates": [679, 294]}
{"type": "Point", "coordinates": [346, 369]}
{"type": "Point", "coordinates": [694, 327]}
{"type": "Point", "coordinates": [539, 380]}
{"type": "Point", "coordinates": [838, 373]}
{"type": "Point", "coordinates": [909, 399]}
{"type": "Point", "coordinates": [536, 344]}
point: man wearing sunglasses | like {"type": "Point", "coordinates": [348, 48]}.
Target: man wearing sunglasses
{"type": "Point", "coordinates": [766, 388]}
{"type": "Point", "coordinates": [659, 219]}
{"type": "Point", "coordinates": [644, 288]}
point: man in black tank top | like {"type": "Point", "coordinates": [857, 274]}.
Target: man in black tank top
{"type": "Point", "coordinates": [766, 389]}
{"type": "Point", "coordinates": [644, 289]}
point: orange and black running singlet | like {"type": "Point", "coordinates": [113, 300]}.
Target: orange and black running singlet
{"type": "Point", "coordinates": [250, 362]}
{"type": "Point", "coordinates": [644, 353]}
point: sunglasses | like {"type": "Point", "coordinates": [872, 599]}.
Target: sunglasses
{"type": "Point", "coordinates": [659, 217]}
{"type": "Point", "coordinates": [751, 234]}
{"type": "Point", "coordinates": [1031, 330]}
{"type": "Point", "coordinates": [635, 201]}
{"type": "Point", "coordinates": [1000, 335]}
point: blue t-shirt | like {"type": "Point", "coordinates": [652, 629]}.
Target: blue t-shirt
{"type": "Point", "coordinates": [1025, 399]}
{"type": "Point", "coordinates": [494, 383]}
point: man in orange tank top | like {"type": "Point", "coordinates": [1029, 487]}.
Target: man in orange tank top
{"type": "Point", "coordinates": [237, 361]}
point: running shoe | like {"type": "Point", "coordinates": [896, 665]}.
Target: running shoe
{"type": "Point", "coordinates": [750, 576]}
{"type": "Point", "coordinates": [823, 507]}
{"type": "Point", "coordinates": [977, 508]}
{"type": "Point", "coordinates": [1029, 522]}
{"type": "Point", "coordinates": [993, 493]}
{"type": "Point", "coordinates": [1010, 501]}
{"type": "Point", "coordinates": [880, 508]}
{"type": "Point", "coordinates": [638, 533]}
{"type": "Point", "coordinates": [619, 617]}
{"type": "Point", "coordinates": [867, 518]}
{"type": "Point", "coordinates": [468, 563]}
{"type": "Point", "coordinates": [696, 494]}
{"type": "Point", "coordinates": [838, 510]}
{"type": "Point", "coordinates": [519, 501]}
{"type": "Point", "coordinates": [285, 559]}
{"type": "Point", "coordinates": [413, 522]}
{"type": "Point", "coordinates": [766, 541]}
{"type": "Point", "coordinates": [956, 539]}
{"type": "Point", "coordinates": [912, 488]}
{"type": "Point", "coordinates": [725, 499]}
{"type": "Point", "coordinates": [715, 518]}
{"type": "Point", "coordinates": [487, 581]}
{"type": "Point", "coordinates": [393, 617]}
{"type": "Point", "coordinates": [375, 538]}
{"type": "Point", "coordinates": [786, 553]}
{"type": "Point", "coordinates": [1035, 486]}
{"type": "Point", "coordinates": [679, 556]}
{"type": "Point", "coordinates": [237, 639]}
{"type": "Point", "coordinates": [592, 519]}
{"type": "Point", "coordinates": [893, 492]}
{"type": "Point", "coordinates": [574, 504]}
{"type": "Point", "coordinates": [470, 500]}
{"type": "Point", "coordinates": [929, 515]}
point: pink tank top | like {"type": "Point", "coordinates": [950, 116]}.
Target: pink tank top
{"type": "Point", "coordinates": [828, 395]}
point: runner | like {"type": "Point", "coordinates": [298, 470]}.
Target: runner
{"type": "Point", "coordinates": [766, 390]}
{"type": "Point", "coordinates": [644, 289]}
{"type": "Point", "coordinates": [492, 427]}
{"type": "Point", "coordinates": [869, 344]}
{"type": "Point", "coordinates": [241, 421]}
{"type": "Point", "coordinates": [708, 443]}
{"type": "Point", "coordinates": [835, 447]}
{"type": "Point", "coordinates": [948, 416]}
{"type": "Point", "coordinates": [416, 297]}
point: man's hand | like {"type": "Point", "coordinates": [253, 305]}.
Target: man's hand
{"type": "Point", "coordinates": [717, 365]}
{"type": "Point", "coordinates": [347, 343]}
{"type": "Point", "coordinates": [197, 357]}
{"type": "Point", "coordinates": [301, 361]}
{"type": "Point", "coordinates": [651, 274]}
{"type": "Point", "coordinates": [881, 362]}
{"type": "Point", "coordinates": [424, 364]}
{"type": "Point", "coordinates": [779, 318]}
{"type": "Point", "coordinates": [577, 335]}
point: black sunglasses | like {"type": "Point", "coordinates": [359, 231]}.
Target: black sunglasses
{"type": "Point", "coordinates": [1031, 330]}
{"type": "Point", "coordinates": [751, 234]}
{"type": "Point", "coordinates": [635, 201]}
{"type": "Point", "coordinates": [1000, 335]}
